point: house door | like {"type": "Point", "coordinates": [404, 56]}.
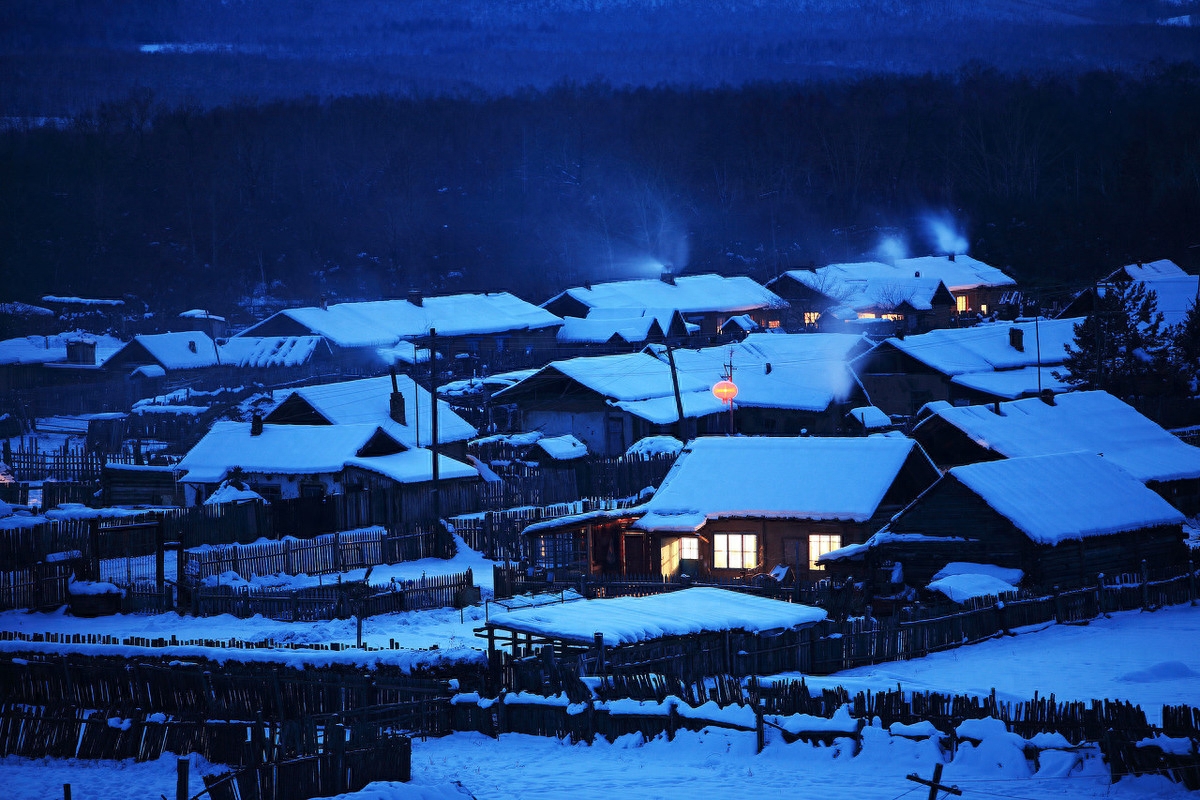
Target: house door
{"type": "Point", "coordinates": [614, 438]}
{"type": "Point", "coordinates": [635, 555]}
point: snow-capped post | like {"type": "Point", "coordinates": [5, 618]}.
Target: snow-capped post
{"type": "Point", "coordinates": [1191, 582]}
{"type": "Point", "coordinates": [598, 642]}
{"type": "Point", "coordinates": [1145, 585]}
{"type": "Point", "coordinates": [760, 734]}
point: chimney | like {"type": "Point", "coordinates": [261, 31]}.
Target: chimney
{"type": "Point", "coordinates": [81, 351]}
{"type": "Point", "coordinates": [917, 274]}
{"type": "Point", "coordinates": [1047, 397]}
{"type": "Point", "coordinates": [996, 408]}
{"type": "Point", "coordinates": [192, 345]}
{"type": "Point", "coordinates": [324, 301]}
{"type": "Point", "coordinates": [1016, 338]}
{"type": "Point", "coordinates": [668, 274]}
{"type": "Point", "coordinates": [396, 405]}
{"type": "Point", "coordinates": [256, 424]}
{"type": "Point", "coordinates": [951, 256]}
{"type": "Point", "coordinates": [415, 297]}
{"type": "Point", "coordinates": [587, 284]}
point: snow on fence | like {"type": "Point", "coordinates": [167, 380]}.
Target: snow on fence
{"type": "Point", "coordinates": [321, 555]}
{"type": "Point", "coordinates": [333, 601]}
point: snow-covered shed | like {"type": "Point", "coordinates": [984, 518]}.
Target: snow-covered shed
{"type": "Point", "coordinates": [498, 328]}
{"type": "Point", "coordinates": [1094, 422]}
{"type": "Point", "coordinates": [404, 411]}
{"type": "Point", "coordinates": [692, 632]}
{"type": "Point", "coordinates": [983, 364]}
{"type": "Point", "coordinates": [704, 300]}
{"type": "Point", "coordinates": [1060, 518]}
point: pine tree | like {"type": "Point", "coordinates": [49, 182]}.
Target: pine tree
{"type": "Point", "coordinates": [1121, 347]}
{"type": "Point", "coordinates": [1185, 349]}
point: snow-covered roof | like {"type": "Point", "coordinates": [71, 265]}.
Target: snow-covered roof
{"type": "Point", "coordinates": [1149, 271]}
{"type": "Point", "coordinates": [52, 349]}
{"type": "Point", "coordinates": [561, 448]}
{"type": "Point", "coordinates": [368, 400]}
{"type": "Point", "coordinates": [18, 309]}
{"type": "Point", "coordinates": [382, 323]}
{"type": "Point", "coordinates": [1094, 421]}
{"type": "Point", "coordinates": [776, 478]}
{"type": "Point", "coordinates": [959, 273]}
{"type": "Point", "coordinates": [80, 301]}
{"type": "Point", "coordinates": [987, 347]}
{"type": "Point", "coordinates": [688, 294]}
{"type": "Point", "coordinates": [268, 351]}
{"type": "Point", "coordinates": [743, 322]}
{"type": "Point", "coordinates": [180, 350]}
{"type": "Point", "coordinates": [1066, 496]}
{"type": "Point", "coordinates": [964, 586]}
{"type": "Point", "coordinates": [599, 330]}
{"type": "Point", "coordinates": [870, 417]}
{"type": "Point", "coordinates": [1012, 384]}
{"type": "Point", "coordinates": [200, 313]}
{"type": "Point", "coordinates": [1173, 295]}
{"type": "Point", "coordinates": [414, 466]}
{"type": "Point", "coordinates": [280, 449]}
{"type": "Point", "coordinates": [794, 371]}
{"type": "Point", "coordinates": [869, 285]}
{"type": "Point", "coordinates": [626, 620]}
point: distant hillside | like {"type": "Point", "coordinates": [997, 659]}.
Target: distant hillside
{"type": "Point", "coordinates": [67, 57]}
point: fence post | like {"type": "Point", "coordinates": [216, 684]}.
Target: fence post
{"type": "Point", "coordinates": [337, 744]}
{"type": "Point", "coordinates": [181, 779]}
{"type": "Point", "coordinates": [160, 556]}
{"type": "Point", "coordinates": [759, 727]}
{"type": "Point", "coordinates": [1145, 585]}
{"type": "Point", "coordinates": [1191, 582]}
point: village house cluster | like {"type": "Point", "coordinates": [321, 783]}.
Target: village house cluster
{"type": "Point", "coordinates": [870, 423]}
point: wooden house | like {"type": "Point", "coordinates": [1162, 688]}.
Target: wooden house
{"type": "Point", "coordinates": [287, 461]}
{"type": "Point", "coordinates": [476, 332]}
{"type": "Point", "coordinates": [787, 385]}
{"type": "Point", "coordinates": [982, 364]}
{"type": "Point", "coordinates": [706, 301]}
{"type": "Point", "coordinates": [833, 297]}
{"type": "Point", "coordinates": [738, 507]}
{"type": "Point", "coordinates": [1175, 290]}
{"type": "Point", "coordinates": [398, 405]}
{"type": "Point", "coordinates": [1061, 519]}
{"type": "Point", "coordinates": [1094, 422]}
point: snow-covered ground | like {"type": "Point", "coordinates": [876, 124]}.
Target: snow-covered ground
{"type": "Point", "coordinates": [1146, 658]}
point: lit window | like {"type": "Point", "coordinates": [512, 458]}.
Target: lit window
{"type": "Point", "coordinates": [810, 318]}
{"type": "Point", "coordinates": [735, 551]}
{"type": "Point", "coordinates": [774, 323]}
{"type": "Point", "coordinates": [892, 317]}
{"type": "Point", "coordinates": [691, 549]}
{"type": "Point", "coordinates": [961, 302]}
{"type": "Point", "coordinates": [983, 308]}
{"type": "Point", "coordinates": [865, 315]}
{"type": "Point", "coordinates": [819, 544]}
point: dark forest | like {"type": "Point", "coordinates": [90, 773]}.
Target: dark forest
{"type": "Point", "coordinates": [1055, 179]}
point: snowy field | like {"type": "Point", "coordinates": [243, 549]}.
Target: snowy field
{"type": "Point", "coordinates": [1147, 658]}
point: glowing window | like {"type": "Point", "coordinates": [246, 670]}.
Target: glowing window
{"type": "Point", "coordinates": [811, 317]}
{"type": "Point", "coordinates": [774, 323]}
{"type": "Point", "coordinates": [983, 308]}
{"type": "Point", "coordinates": [735, 551]}
{"type": "Point", "coordinates": [690, 549]}
{"type": "Point", "coordinates": [961, 302]}
{"type": "Point", "coordinates": [865, 315]}
{"type": "Point", "coordinates": [819, 544]}
{"type": "Point", "coordinates": [892, 317]}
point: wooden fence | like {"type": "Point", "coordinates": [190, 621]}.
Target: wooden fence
{"type": "Point", "coordinates": [335, 601]}
{"type": "Point", "coordinates": [497, 534]}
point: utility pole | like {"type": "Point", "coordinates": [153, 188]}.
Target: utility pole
{"type": "Point", "coordinates": [1037, 337]}
{"type": "Point", "coordinates": [935, 784]}
{"type": "Point", "coordinates": [679, 431]}
{"type": "Point", "coordinates": [433, 424]}
{"type": "Point", "coordinates": [729, 377]}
